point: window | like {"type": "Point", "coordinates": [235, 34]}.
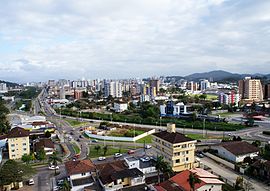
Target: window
{"type": "Point", "coordinates": [186, 158]}
{"type": "Point", "coordinates": [184, 146]}
{"type": "Point", "coordinates": [13, 156]}
{"type": "Point", "coordinates": [177, 161]}
{"type": "Point", "coordinates": [83, 174]}
{"type": "Point", "coordinates": [12, 145]}
{"type": "Point", "coordinates": [24, 149]}
{"type": "Point", "coordinates": [186, 152]}
{"type": "Point", "coordinates": [24, 144]}
{"type": "Point", "coordinates": [13, 150]}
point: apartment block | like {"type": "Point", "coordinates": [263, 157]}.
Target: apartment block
{"type": "Point", "coordinates": [177, 149]}
{"type": "Point", "coordinates": [250, 90]}
{"type": "Point", "coordinates": [18, 143]}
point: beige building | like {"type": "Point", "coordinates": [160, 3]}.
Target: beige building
{"type": "Point", "coordinates": [251, 90]}
{"type": "Point", "coordinates": [177, 149]}
{"type": "Point", "coordinates": [18, 143]}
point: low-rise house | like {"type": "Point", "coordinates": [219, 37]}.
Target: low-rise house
{"type": "Point", "coordinates": [120, 106]}
{"type": "Point", "coordinates": [180, 182]}
{"type": "Point", "coordinates": [144, 164]}
{"type": "Point", "coordinates": [236, 151]}
{"type": "Point", "coordinates": [80, 174]}
{"type": "Point", "coordinates": [18, 143]}
{"type": "Point", "coordinates": [116, 175]}
{"type": "Point", "coordinates": [46, 144]}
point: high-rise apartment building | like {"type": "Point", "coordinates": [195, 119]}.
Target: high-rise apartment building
{"type": "Point", "coordinates": [3, 88]}
{"type": "Point", "coordinates": [154, 84]}
{"type": "Point", "coordinates": [266, 91]}
{"type": "Point", "coordinates": [113, 88]}
{"type": "Point", "coordinates": [204, 84]}
{"type": "Point", "coordinates": [250, 90]}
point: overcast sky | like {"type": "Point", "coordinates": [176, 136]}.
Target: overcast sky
{"type": "Point", "coordinates": [44, 39]}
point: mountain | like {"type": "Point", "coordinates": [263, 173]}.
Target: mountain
{"type": "Point", "coordinates": [9, 84]}
{"type": "Point", "coordinates": [220, 75]}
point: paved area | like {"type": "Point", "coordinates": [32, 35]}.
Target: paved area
{"type": "Point", "coordinates": [231, 175]}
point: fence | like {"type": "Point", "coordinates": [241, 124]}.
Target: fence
{"type": "Point", "coordinates": [220, 160]}
{"type": "Point", "coordinates": [113, 138]}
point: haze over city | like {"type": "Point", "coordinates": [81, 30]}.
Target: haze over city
{"type": "Point", "coordinates": [118, 39]}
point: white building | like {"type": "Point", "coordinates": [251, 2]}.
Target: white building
{"type": "Point", "coordinates": [3, 88]}
{"type": "Point", "coordinates": [236, 151]}
{"type": "Point", "coordinates": [204, 84]}
{"type": "Point", "coordinates": [113, 88]}
{"type": "Point", "coordinates": [120, 106]}
{"type": "Point", "coordinates": [174, 110]}
{"type": "Point", "coordinates": [145, 164]}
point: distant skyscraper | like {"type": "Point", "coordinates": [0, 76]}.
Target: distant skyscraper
{"type": "Point", "coordinates": [251, 89]}
{"type": "Point", "coordinates": [113, 88]}
{"type": "Point", "coordinates": [3, 87]}
{"type": "Point", "coordinates": [154, 84]}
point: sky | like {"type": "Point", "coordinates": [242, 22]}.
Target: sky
{"type": "Point", "coordinates": [53, 39]}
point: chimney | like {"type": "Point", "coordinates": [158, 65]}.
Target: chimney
{"type": "Point", "coordinates": [171, 127]}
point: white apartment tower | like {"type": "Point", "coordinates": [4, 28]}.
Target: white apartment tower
{"type": "Point", "coordinates": [113, 88]}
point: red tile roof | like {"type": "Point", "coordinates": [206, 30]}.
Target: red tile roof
{"type": "Point", "coordinates": [239, 147]}
{"type": "Point", "coordinates": [44, 143]}
{"type": "Point", "coordinates": [79, 166]}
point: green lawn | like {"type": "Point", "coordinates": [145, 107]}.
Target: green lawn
{"type": "Point", "coordinates": [211, 97]}
{"type": "Point", "coordinates": [111, 151]}
{"type": "Point", "coordinates": [75, 123]}
{"type": "Point", "coordinates": [147, 139]}
{"type": "Point", "coordinates": [76, 148]}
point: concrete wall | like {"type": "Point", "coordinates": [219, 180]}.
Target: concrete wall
{"type": "Point", "coordinates": [220, 160]}
{"type": "Point", "coordinates": [112, 138]}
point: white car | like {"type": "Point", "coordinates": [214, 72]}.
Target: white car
{"type": "Point", "coordinates": [56, 188]}
{"type": "Point", "coordinates": [31, 181]}
{"type": "Point", "coordinates": [117, 155]}
{"type": "Point", "coordinates": [101, 158]}
{"type": "Point", "coordinates": [148, 146]}
{"type": "Point", "coordinates": [52, 167]}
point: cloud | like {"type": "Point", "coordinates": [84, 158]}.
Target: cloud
{"type": "Point", "coordinates": [136, 38]}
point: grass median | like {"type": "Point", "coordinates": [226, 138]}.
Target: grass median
{"type": "Point", "coordinates": [99, 150]}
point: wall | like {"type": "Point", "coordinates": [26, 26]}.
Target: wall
{"type": "Point", "coordinates": [112, 138]}
{"type": "Point", "coordinates": [18, 147]}
{"type": "Point", "coordinates": [77, 176]}
{"type": "Point", "coordinates": [212, 187]}
{"type": "Point", "coordinates": [220, 160]}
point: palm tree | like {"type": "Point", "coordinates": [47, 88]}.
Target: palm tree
{"type": "Point", "coordinates": [105, 149]}
{"type": "Point", "coordinates": [54, 159]}
{"type": "Point", "coordinates": [193, 179]}
{"type": "Point", "coordinates": [97, 148]}
{"type": "Point", "coordinates": [162, 166]}
{"type": "Point", "coordinates": [66, 186]}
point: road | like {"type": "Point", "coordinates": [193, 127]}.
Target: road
{"type": "Point", "coordinates": [231, 175]}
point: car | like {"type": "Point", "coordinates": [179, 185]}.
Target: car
{"type": "Point", "coordinates": [145, 159]}
{"type": "Point", "coordinates": [200, 155]}
{"type": "Point", "coordinates": [101, 158]}
{"type": "Point", "coordinates": [131, 152]}
{"type": "Point", "coordinates": [60, 182]}
{"type": "Point", "coordinates": [31, 181]}
{"type": "Point", "coordinates": [56, 188]}
{"type": "Point", "coordinates": [52, 167]}
{"type": "Point", "coordinates": [91, 121]}
{"type": "Point", "coordinates": [80, 136]}
{"type": "Point", "coordinates": [78, 140]}
{"type": "Point", "coordinates": [117, 155]}
{"type": "Point", "coordinates": [94, 141]}
{"type": "Point", "coordinates": [148, 146]}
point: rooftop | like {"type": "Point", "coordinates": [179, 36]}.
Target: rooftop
{"type": "Point", "coordinates": [17, 132]}
{"type": "Point", "coordinates": [173, 138]}
{"type": "Point", "coordinates": [239, 147]}
{"type": "Point", "coordinates": [44, 143]}
{"type": "Point", "coordinates": [79, 166]}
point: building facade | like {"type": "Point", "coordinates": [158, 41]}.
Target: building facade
{"type": "Point", "coordinates": [177, 149]}
{"type": "Point", "coordinates": [18, 143]}
{"type": "Point", "coordinates": [113, 88]}
{"type": "Point", "coordinates": [250, 90]}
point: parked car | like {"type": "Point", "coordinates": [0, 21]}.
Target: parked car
{"type": "Point", "coordinates": [94, 141]}
{"type": "Point", "coordinates": [52, 167]}
{"type": "Point", "coordinates": [148, 146]}
{"type": "Point", "coordinates": [131, 152]}
{"type": "Point", "coordinates": [80, 136]}
{"type": "Point", "coordinates": [60, 182]}
{"type": "Point", "coordinates": [31, 182]}
{"type": "Point", "coordinates": [117, 155]}
{"type": "Point", "coordinates": [56, 188]}
{"type": "Point", "coordinates": [78, 140]}
{"type": "Point", "coordinates": [101, 158]}
{"type": "Point", "coordinates": [145, 159]}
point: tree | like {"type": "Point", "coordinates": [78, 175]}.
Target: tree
{"type": "Point", "coordinates": [47, 134]}
{"type": "Point", "coordinates": [66, 186]}
{"type": "Point", "coordinates": [193, 180]}
{"type": "Point", "coordinates": [13, 172]}
{"type": "Point", "coordinates": [247, 186]}
{"type": "Point", "coordinates": [41, 155]}
{"type": "Point", "coordinates": [256, 143]}
{"type": "Point", "coordinates": [239, 182]}
{"type": "Point", "coordinates": [54, 159]}
{"type": "Point", "coordinates": [203, 96]}
{"type": "Point", "coordinates": [4, 124]}
{"type": "Point", "coordinates": [97, 148]}
{"type": "Point", "coordinates": [162, 166]}
{"type": "Point", "coordinates": [27, 158]}
{"type": "Point", "coordinates": [105, 149]}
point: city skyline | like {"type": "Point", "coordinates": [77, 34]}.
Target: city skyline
{"type": "Point", "coordinates": [43, 40]}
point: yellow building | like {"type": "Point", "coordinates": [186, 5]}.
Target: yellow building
{"type": "Point", "coordinates": [177, 149]}
{"type": "Point", "coordinates": [18, 143]}
{"type": "Point", "coordinates": [250, 90]}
